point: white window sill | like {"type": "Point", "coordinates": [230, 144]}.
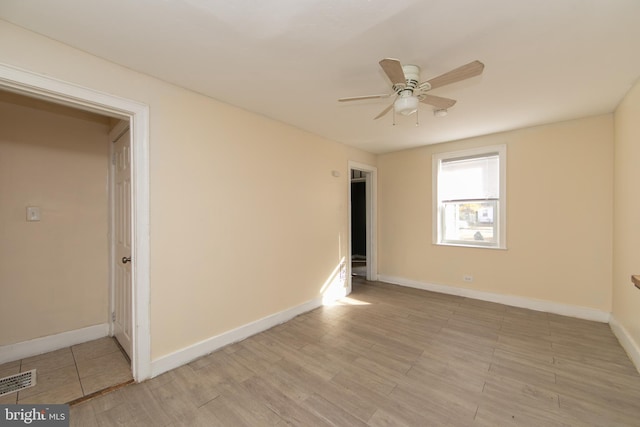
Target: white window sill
{"type": "Point", "coordinates": [462, 245]}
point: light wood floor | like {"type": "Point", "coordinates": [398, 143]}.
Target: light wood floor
{"type": "Point", "coordinates": [389, 355]}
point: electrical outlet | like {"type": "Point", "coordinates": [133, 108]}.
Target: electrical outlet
{"type": "Point", "coordinates": [467, 278]}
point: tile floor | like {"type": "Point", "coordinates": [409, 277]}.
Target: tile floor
{"type": "Point", "coordinates": [70, 373]}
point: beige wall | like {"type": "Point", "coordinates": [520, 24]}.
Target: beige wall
{"type": "Point", "coordinates": [246, 218]}
{"type": "Point", "coordinates": [626, 235]}
{"type": "Point", "coordinates": [559, 217]}
{"type": "Point", "coordinates": [53, 273]}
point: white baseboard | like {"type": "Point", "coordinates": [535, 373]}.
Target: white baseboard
{"type": "Point", "coordinates": [628, 343]}
{"type": "Point", "coordinates": [21, 350]}
{"type": "Point", "coordinates": [515, 301]}
{"type": "Point", "coordinates": [202, 348]}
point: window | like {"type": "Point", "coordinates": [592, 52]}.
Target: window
{"type": "Point", "coordinates": [469, 197]}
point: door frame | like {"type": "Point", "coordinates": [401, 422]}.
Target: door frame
{"type": "Point", "coordinates": [371, 195]}
{"type": "Point", "coordinates": [36, 85]}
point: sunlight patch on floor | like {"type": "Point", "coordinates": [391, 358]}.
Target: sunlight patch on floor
{"type": "Point", "coordinates": [346, 301]}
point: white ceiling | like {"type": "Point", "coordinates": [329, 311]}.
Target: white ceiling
{"type": "Point", "coordinates": [545, 60]}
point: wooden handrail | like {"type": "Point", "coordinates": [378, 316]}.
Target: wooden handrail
{"type": "Point", "coordinates": [636, 280]}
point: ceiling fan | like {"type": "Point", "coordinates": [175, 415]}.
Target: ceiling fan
{"type": "Point", "coordinates": [409, 91]}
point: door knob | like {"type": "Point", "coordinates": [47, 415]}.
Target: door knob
{"type": "Point", "coordinates": [126, 259]}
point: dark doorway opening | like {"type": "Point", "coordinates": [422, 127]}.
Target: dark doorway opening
{"type": "Point", "coordinates": [358, 223]}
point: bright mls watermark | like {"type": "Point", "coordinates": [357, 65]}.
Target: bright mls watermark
{"type": "Point", "coordinates": [34, 415]}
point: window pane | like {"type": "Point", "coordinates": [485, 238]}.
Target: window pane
{"type": "Point", "coordinates": [470, 178]}
{"type": "Point", "coordinates": [474, 222]}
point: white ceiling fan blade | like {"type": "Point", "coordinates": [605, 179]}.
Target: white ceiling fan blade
{"type": "Point", "coordinates": [358, 98]}
{"type": "Point", "coordinates": [393, 69]}
{"type": "Point", "coordinates": [466, 71]}
{"type": "Point", "coordinates": [438, 101]}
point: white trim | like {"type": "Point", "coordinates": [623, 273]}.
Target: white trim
{"type": "Point", "coordinates": [209, 345]}
{"type": "Point", "coordinates": [372, 219]}
{"type": "Point", "coordinates": [44, 87]}
{"type": "Point", "coordinates": [34, 347]}
{"type": "Point", "coordinates": [626, 341]}
{"type": "Point", "coordinates": [140, 246]}
{"type": "Point", "coordinates": [118, 130]}
{"type": "Point", "coordinates": [512, 300]}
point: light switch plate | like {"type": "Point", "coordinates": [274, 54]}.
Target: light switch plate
{"type": "Point", "coordinates": [33, 213]}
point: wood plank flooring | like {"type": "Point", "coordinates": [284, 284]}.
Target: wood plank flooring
{"type": "Point", "coordinates": [394, 356]}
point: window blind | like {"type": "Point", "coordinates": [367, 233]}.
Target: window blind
{"type": "Point", "coordinates": [470, 178]}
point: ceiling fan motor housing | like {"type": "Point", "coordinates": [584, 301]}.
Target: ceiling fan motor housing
{"type": "Point", "coordinates": [412, 75]}
{"type": "Point", "coordinates": [407, 103]}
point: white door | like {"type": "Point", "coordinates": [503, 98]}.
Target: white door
{"type": "Point", "coordinates": [122, 292]}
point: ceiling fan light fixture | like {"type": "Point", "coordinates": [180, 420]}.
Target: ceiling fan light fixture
{"type": "Point", "coordinates": [406, 105]}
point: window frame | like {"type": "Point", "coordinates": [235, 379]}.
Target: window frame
{"type": "Point", "coordinates": [438, 205]}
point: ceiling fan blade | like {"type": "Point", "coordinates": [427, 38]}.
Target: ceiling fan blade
{"type": "Point", "coordinates": [393, 70]}
{"type": "Point", "coordinates": [469, 70]}
{"type": "Point", "coordinates": [383, 112]}
{"type": "Point", "coordinates": [358, 98]}
{"type": "Point", "coordinates": [438, 101]}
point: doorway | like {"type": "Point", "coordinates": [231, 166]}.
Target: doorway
{"type": "Point", "coordinates": [362, 221]}
{"type": "Point", "coordinates": [358, 223]}
{"type": "Point", "coordinates": [39, 86]}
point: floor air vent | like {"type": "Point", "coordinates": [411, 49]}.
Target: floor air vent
{"type": "Point", "coordinates": [17, 382]}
